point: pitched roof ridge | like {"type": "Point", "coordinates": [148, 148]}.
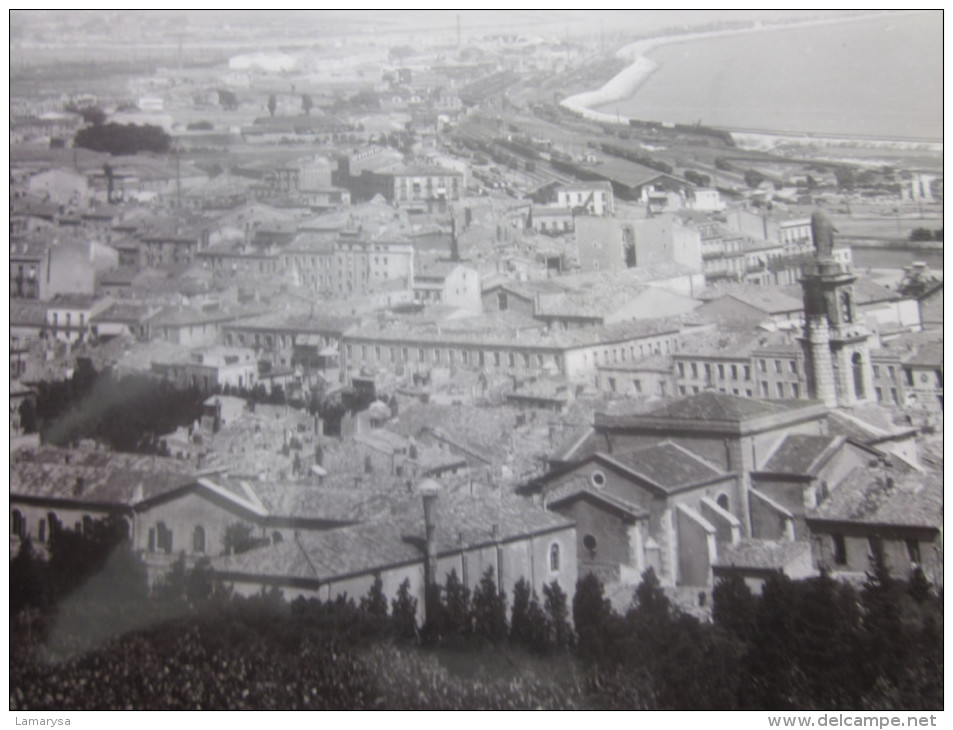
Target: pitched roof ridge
{"type": "Point", "coordinates": [232, 497]}
{"type": "Point", "coordinates": [870, 427]}
{"type": "Point", "coordinates": [629, 468]}
{"type": "Point", "coordinates": [577, 444]}
{"type": "Point", "coordinates": [833, 444]}
{"type": "Point", "coordinates": [775, 504]}
{"type": "Point", "coordinates": [771, 454]}
{"type": "Point", "coordinates": [697, 457]}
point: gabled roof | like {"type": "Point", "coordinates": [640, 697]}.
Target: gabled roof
{"type": "Point", "coordinates": [183, 316]}
{"type": "Point", "coordinates": [569, 447]}
{"type": "Point", "coordinates": [867, 291]}
{"type": "Point", "coordinates": [27, 313]}
{"type": "Point", "coordinates": [866, 426]}
{"type": "Point", "coordinates": [102, 484]}
{"type": "Point", "coordinates": [574, 491]}
{"type": "Point", "coordinates": [767, 299]}
{"type": "Point", "coordinates": [123, 312]}
{"type": "Point", "coordinates": [926, 355]}
{"type": "Point", "coordinates": [667, 465]}
{"type": "Point", "coordinates": [802, 454]}
{"type": "Point", "coordinates": [587, 185]}
{"type": "Point", "coordinates": [710, 406]}
{"type": "Point", "coordinates": [397, 538]}
{"type": "Point", "coordinates": [895, 496]}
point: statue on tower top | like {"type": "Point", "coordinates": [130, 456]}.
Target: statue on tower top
{"type": "Point", "coordinates": [822, 231]}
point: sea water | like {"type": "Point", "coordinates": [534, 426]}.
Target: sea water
{"type": "Point", "coordinates": [874, 77]}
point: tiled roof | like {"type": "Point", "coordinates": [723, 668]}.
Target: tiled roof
{"type": "Point", "coordinates": [761, 554]}
{"type": "Point", "coordinates": [122, 276]}
{"type": "Point", "coordinates": [543, 211]}
{"type": "Point", "coordinates": [867, 291]}
{"type": "Point", "coordinates": [461, 521]}
{"type": "Point", "coordinates": [310, 502]}
{"type": "Point", "coordinates": [101, 484]}
{"type": "Point", "coordinates": [767, 299]}
{"type": "Point", "coordinates": [123, 312]}
{"type": "Point", "coordinates": [708, 406]}
{"type": "Point", "coordinates": [304, 323]}
{"type": "Point", "coordinates": [800, 453]}
{"type": "Point", "coordinates": [628, 173]}
{"type": "Point", "coordinates": [438, 270]}
{"type": "Point", "coordinates": [183, 316]}
{"type": "Point", "coordinates": [653, 363]}
{"type": "Point", "coordinates": [901, 496]}
{"type": "Point", "coordinates": [485, 431]}
{"type": "Point", "coordinates": [720, 343]}
{"type": "Point", "coordinates": [863, 424]}
{"type": "Point", "coordinates": [26, 313]}
{"type": "Point", "coordinates": [571, 490]}
{"type": "Point", "coordinates": [587, 185]}
{"type": "Point", "coordinates": [928, 354]}
{"type": "Point", "coordinates": [667, 465]}
{"type": "Point", "coordinates": [73, 301]}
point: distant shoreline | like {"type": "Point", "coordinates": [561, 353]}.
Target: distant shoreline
{"type": "Point", "coordinates": [626, 83]}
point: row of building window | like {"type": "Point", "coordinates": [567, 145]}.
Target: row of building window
{"type": "Point", "coordinates": [621, 354]}
{"type": "Point", "coordinates": [466, 357]}
{"type": "Point", "coordinates": [47, 525]}
{"type": "Point", "coordinates": [782, 390]}
{"type": "Point", "coordinates": [874, 547]}
{"type": "Point", "coordinates": [732, 371]}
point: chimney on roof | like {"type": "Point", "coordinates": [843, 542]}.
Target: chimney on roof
{"type": "Point", "coordinates": [79, 486]}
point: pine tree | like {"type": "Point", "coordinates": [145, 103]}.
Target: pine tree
{"type": "Point", "coordinates": [557, 613]}
{"type": "Point", "coordinates": [649, 600]}
{"type": "Point", "coordinates": [825, 643]}
{"type": "Point", "coordinates": [272, 104]}
{"type": "Point", "coordinates": [489, 608]}
{"type": "Point", "coordinates": [883, 633]}
{"type": "Point", "coordinates": [520, 629]}
{"type": "Point", "coordinates": [457, 607]}
{"type": "Point", "coordinates": [403, 611]}
{"type": "Point", "coordinates": [538, 639]}
{"type": "Point", "coordinates": [733, 606]}
{"type": "Point", "coordinates": [374, 604]}
{"type": "Point", "coordinates": [771, 664]}
{"type": "Point", "coordinates": [592, 616]}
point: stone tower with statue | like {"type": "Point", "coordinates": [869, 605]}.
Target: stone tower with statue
{"type": "Point", "coordinates": [835, 341]}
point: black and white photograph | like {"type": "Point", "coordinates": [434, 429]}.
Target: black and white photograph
{"type": "Point", "coordinates": [457, 359]}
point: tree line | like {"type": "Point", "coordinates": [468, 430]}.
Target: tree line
{"type": "Point", "coordinates": [126, 412]}
{"type": "Point", "coordinates": [86, 618]}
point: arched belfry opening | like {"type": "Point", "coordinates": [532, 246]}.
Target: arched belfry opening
{"type": "Point", "coordinates": [834, 339]}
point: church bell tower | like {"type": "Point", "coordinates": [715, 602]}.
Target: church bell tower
{"type": "Point", "coordinates": [835, 341]}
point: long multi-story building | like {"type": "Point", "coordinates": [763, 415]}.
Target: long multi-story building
{"type": "Point", "coordinates": [574, 354]}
